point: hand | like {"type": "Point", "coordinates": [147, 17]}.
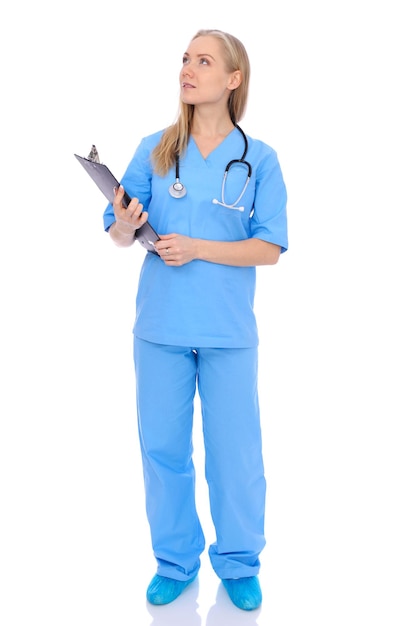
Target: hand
{"type": "Point", "coordinates": [131, 218]}
{"type": "Point", "coordinates": [176, 250]}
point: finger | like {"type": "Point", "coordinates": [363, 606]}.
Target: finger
{"type": "Point", "coordinates": [118, 197]}
{"type": "Point", "coordinates": [137, 211]}
{"type": "Point", "coordinates": [118, 192]}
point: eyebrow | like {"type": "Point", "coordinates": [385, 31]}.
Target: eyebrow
{"type": "Point", "coordinates": [200, 55]}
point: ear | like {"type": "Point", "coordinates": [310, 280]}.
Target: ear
{"type": "Point", "coordinates": [235, 79]}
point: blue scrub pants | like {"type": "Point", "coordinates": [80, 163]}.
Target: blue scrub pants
{"type": "Point", "coordinates": [167, 377]}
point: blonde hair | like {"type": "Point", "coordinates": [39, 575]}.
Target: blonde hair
{"type": "Point", "coordinates": [175, 138]}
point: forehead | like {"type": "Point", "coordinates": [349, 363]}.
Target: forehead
{"type": "Point", "coordinates": [206, 45]}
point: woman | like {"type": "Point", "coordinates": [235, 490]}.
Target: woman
{"type": "Point", "coordinates": [195, 326]}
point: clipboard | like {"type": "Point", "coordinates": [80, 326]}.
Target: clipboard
{"type": "Point", "coordinates": [106, 182]}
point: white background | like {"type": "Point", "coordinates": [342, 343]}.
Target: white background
{"type": "Point", "coordinates": [333, 91]}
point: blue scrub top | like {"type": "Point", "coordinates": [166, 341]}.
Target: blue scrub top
{"type": "Point", "coordinates": [203, 304]}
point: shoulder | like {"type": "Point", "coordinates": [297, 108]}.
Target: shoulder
{"type": "Point", "coordinates": [260, 148]}
{"type": "Point", "coordinates": [262, 156]}
{"type": "Point", "coordinates": [149, 142]}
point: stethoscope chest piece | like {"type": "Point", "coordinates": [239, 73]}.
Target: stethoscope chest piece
{"type": "Point", "coordinates": [177, 189]}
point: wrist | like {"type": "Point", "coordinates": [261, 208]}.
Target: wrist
{"type": "Point", "coordinates": [125, 230]}
{"type": "Point", "coordinates": [199, 249]}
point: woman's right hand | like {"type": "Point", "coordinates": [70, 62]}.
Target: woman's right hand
{"type": "Point", "coordinates": [131, 218]}
{"type": "Point", "coordinates": [128, 220]}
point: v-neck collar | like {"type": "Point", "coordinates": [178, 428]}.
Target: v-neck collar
{"type": "Point", "coordinates": [217, 148]}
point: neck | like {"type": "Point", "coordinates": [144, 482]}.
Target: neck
{"type": "Point", "coordinates": [207, 126]}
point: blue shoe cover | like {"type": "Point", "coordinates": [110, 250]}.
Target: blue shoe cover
{"type": "Point", "coordinates": [163, 590]}
{"type": "Point", "coordinates": [245, 593]}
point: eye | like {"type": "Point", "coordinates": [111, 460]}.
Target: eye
{"type": "Point", "coordinates": [204, 61]}
{"type": "Point", "coordinates": [185, 60]}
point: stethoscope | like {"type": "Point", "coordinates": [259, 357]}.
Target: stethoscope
{"type": "Point", "coordinates": [178, 190]}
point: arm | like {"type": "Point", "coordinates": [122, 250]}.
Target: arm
{"type": "Point", "coordinates": [243, 253]}
{"type": "Point", "coordinates": [177, 250]}
{"type": "Point", "coordinates": [182, 249]}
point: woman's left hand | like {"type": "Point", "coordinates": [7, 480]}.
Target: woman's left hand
{"type": "Point", "coordinates": [176, 249]}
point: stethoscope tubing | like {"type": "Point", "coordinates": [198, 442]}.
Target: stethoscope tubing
{"type": "Point", "coordinates": [178, 190]}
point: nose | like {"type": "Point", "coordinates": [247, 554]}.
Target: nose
{"type": "Point", "coordinates": [187, 70]}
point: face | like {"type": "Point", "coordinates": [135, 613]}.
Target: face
{"type": "Point", "coordinates": [203, 77]}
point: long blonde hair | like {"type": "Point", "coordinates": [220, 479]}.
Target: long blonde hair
{"type": "Point", "coordinates": [175, 138]}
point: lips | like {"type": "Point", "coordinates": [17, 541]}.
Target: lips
{"type": "Point", "coordinates": [187, 86]}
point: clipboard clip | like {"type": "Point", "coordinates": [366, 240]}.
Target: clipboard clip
{"type": "Point", "coordinates": [93, 156]}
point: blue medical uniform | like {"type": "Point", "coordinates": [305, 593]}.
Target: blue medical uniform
{"type": "Point", "coordinates": [195, 328]}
